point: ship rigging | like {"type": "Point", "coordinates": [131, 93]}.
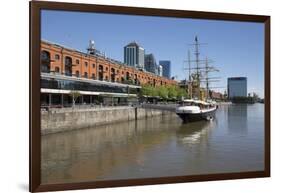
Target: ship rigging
{"type": "Point", "coordinates": [198, 107]}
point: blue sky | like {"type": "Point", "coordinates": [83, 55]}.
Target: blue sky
{"type": "Point", "coordinates": [237, 48]}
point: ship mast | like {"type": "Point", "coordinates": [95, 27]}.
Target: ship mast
{"type": "Point", "coordinates": [189, 67]}
{"type": "Point", "coordinates": [189, 86]}
{"type": "Point", "coordinates": [207, 79]}
{"type": "Point", "coordinates": [199, 70]}
{"type": "Point", "coordinates": [197, 67]}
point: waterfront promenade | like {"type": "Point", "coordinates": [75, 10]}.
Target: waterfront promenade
{"type": "Point", "coordinates": [66, 119]}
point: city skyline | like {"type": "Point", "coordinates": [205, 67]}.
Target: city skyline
{"type": "Point", "coordinates": [167, 38]}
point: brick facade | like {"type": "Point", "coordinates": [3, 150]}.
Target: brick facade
{"type": "Point", "coordinates": [96, 67]}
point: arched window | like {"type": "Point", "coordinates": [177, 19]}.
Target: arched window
{"type": "Point", "coordinates": [57, 57]}
{"type": "Point", "coordinates": [112, 75]}
{"type": "Point", "coordinates": [45, 61]}
{"type": "Point", "coordinates": [100, 72]}
{"type": "Point", "coordinates": [136, 79]}
{"type": "Point", "coordinates": [86, 64]}
{"type": "Point", "coordinates": [93, 76]}
{"type": "Point", "coordinates": [127, 75]}
{"type": "Point", "coordinates": [77, 73]}
{"type": "Point", "coordinates": [85, 74]}
{"type": "Point", "coordinates": [68, 66]}
{"type": "Point", "coordinates": [93, 65]}
{"type": "Point", "coordinates": [57, 70]}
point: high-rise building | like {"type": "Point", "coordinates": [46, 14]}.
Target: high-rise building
{"type": "Point", "coordinates": [134, 55]}
{"type": "Point", "coordinates": [237, 87]}
{"type": "Point", "coordinates": [166, 64]}
{"type": "Point", "coordinates": [160, 70]}
{"type": "Point", "coordinates": [150, 63]}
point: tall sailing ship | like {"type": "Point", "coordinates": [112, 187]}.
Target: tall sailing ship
{"type": "Point", "coordinates": [196, 108]}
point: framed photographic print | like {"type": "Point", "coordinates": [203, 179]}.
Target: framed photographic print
{"type": "Point", "coordinates": [123, 96]}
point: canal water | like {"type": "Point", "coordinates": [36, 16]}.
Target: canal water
{"type": "Point", "coordinates": [157, 147]}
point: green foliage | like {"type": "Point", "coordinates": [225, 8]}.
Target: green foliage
{"type": "Point", "coordinates": [172, 91]}
{"type": "Point", "coordinates": [182, 93]}
{"type": "Point", "coordinates": [165, 92]}
{"type": "Point", "coordinates": [148, 90]}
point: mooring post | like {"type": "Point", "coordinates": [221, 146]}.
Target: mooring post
{"type": "Point", "coordinates": [136, 113]}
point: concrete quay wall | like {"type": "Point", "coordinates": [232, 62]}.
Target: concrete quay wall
{"type": "Point", "coordinates": [59, 120]}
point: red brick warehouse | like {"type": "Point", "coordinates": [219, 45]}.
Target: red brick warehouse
{"type": "Point", "coordinates": [61, 60]}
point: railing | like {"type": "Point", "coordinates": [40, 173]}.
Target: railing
{"type": "Point", "coordinates": [166, 107]}
{"type": "Point", "coordinates": [83, 108]}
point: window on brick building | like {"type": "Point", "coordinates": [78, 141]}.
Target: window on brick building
{"type": "Point", "coordinates": [57, 69]}
{"type": "Point", "coordinates": [77, 73]}
{"type": "Point", "coordinates": [86, 74]}
{"type": "Point", "coordinates": [57, 57]}
{"type": "Point", "coordinates": [100, 72]}
{"type": "Point", "coordinates": [93, 76]}
{"type": "Point", "coordinates": [68, 66]}
{"type": "Point", "coordinates": [127, 75]}
{"type": "Point", "coordinates": [45, 61]}
{"type": "Point", "coordinates": [93, 65]}
{"type": "Point", "coordinates": [86, 64]}
{"type": "Point", "coordinates": [77, 61]}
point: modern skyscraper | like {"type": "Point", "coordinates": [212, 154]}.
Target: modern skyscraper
{"type": "Point", "coordinates": [166, 64]}
{"type": "Point", "coordinates": [160, 70]}
{"type": "Point", "coordinates": [134, 55]}
{"type": "Point", "coordinates": [237, 87]}
{"type": "Point", "coordinates": [150, 63]}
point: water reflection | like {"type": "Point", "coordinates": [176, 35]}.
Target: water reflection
{"type": "Point", "coordinates": [91, 153]}
{"type": "Point", "coordinates": [237, 117]}
{"type": "Point", "coordinates": [155, 147]}
{"type": "Point", "coordinates": [194, 133]}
